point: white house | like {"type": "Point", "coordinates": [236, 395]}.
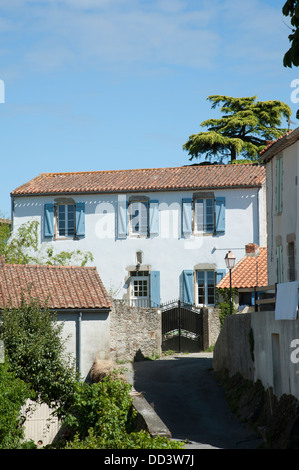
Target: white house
{"type": "Point", "coordinates": [281, 159]}
{"type": "Point", "coordinates": [156, 234]}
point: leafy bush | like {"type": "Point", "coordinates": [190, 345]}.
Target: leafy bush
{"type": "Point", "coordinates": [105, 406]}
{"type": "Point", "coordinates": [224, 304]}
{"type": "Point", "coordinates": [102, 417]}
{"type": "Point", "coordinates": [33, 344]}
{"type": "Point", "coordinates": [13, 395]}
{"type": "Point", "coordinates": [134, 440]}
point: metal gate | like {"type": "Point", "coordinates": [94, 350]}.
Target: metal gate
{"type": "Point", "coordinates": [182, 327]}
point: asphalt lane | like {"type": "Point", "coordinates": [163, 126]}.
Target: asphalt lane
{"type": "Point", "coordinates": [185, 393]}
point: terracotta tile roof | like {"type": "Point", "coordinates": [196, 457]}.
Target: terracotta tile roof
{"type": "Point", "coordinates": [250, 271]}
{"type": "Point", "coordinates": [65, 287]}
{"type": "Point", "coordinates": [279, 144]}
{"type": "Point", "coordinates": [152, 179]}
{"type": "Point", "coordinates": [5, 221]}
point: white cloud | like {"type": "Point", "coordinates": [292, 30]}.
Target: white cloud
{"type": "Point", "coordinates": [142, 34]}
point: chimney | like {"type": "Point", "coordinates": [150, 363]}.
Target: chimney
{"type": "Point", "coordinates": [252, 249]}
{"type": "Point", "coordinates": [2, 261]}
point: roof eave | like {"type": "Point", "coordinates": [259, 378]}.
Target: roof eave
{"type": "Point", "coordinates": [143, 190]}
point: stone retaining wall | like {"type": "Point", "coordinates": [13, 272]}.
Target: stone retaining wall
{"type": "Point", "coordinates": [233, 351]}
{"type": "Point", "coordinates": [135, 332]}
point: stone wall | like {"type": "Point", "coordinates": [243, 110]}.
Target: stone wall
{"type": "Point", "coordinates": [213, 326]}
{"type": "Point", "coordinates": [233, 348]}
{"type": "Point", "coordinates": [135, 332]}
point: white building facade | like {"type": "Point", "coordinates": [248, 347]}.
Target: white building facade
{"type": "Point", "coordinates": [156, 234]}
{"type": "Point", "coordinates": [281, 159]}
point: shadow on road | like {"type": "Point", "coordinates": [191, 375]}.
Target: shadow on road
{"type": "Point", "coordinates": [185, 393]}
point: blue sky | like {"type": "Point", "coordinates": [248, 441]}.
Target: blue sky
{"type": "Point", "coordinates": [116, 84]}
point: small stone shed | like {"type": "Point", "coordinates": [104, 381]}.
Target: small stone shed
{"type": "Point", "coordinates": [75, 293]}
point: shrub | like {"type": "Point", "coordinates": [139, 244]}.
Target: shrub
{"type": "Point", "coordinates": [13, 395]}
{"type": "Point", "coordinates": [102, 417]}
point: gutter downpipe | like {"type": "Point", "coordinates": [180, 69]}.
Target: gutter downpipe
{"type": "Point", "coordinates": [258, 217]}
{"type": "Point", "coordinates": [79, 365]}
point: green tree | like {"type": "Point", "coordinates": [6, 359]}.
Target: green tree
{"type": "Point", "coordinates": [13, 395]}
{"type": "Point", "coordinates": [242, 132]}
{"type": "Point", "coordinates": [33, 343]}
{"type": "Point", "coordinates": [22, 247]}
{"type": "Point", "coordinates": [291, 57]}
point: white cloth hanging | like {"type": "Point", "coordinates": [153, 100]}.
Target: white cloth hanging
{"type": "Point", "coordinates": [286, 305]}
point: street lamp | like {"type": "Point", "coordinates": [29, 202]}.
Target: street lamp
{"type": "Point", "coordinates": [230, 260]}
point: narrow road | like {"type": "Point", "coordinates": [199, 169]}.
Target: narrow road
{"type": "Point", "coordinates": [185, 394]}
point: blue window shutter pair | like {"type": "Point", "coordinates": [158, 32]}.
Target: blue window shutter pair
{"type": "Point", "coordinates": [122, 219]}
{"type": "Point", "coordinates": [188, 284]}
{"type": "Point", "coordinates": [49, 220]}
{"type": "Point", "coordinates": [155, 288]}
{"type": "Point", "coordinates": [187, 216]}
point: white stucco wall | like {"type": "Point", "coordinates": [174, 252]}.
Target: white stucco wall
{"type": "Point", "coordinates": [276, 353]}
{"type": "Point", "coordinates": [169, 252]}
{"type": "Point", "coordinates": [285, 224]}
{"type": "Point", "coordinates": [86, 338]}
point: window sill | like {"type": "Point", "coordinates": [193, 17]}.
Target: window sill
{"type": "Point", "coordinates": [135, 235]}
{"type": "Point", "coordinates": [57, 239]}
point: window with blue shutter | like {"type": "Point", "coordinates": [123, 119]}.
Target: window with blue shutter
{"type": "Point", "coordinates": [49, 220]}
{"type": "Point", "coordinates": [154, 217]}
{"type": "Point", "coordinates": [187, 217]}
{"type": "Point", "coordinates": [205, 283]}
{"type": "Point", "coordinates": [220, 215]}
{"type": "Point", "coordinates": [80, 219]}
{"type": "Point", "coordinates": [204, 215]}
{"type": "Point", "coordinates": [188, 296]}
{"type": "Point", "coordinates": [155, 289]}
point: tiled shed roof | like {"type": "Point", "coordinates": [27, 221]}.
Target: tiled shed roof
{"type": "Point", "coordinates": [250, 271]}
{"type": "Point", "coordinates": [152, 179]}
{"type": "Point", "coordinates": [64, 287]}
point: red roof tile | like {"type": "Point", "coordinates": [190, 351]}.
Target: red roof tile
{"type": "Point", "coordinates": [152, 179]}
{"type": "Point", "coordinates": [279, 144]}
{"type": "Point", "coordinates": [250, 271]}
{"type": "Point", "coordinates": [64, 287]}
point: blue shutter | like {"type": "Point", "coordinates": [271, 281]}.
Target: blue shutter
{"type": "Point", "coordinates": [122, 219]}
{"type": "Point", "coordinates": [49, 220]}
{"type": "Point", "coordinates": [155, 288]}
{"type": "Point", "coordinates": [220, 273]}
{"type": "Point", "coordinates": [220, 214]}
{"type": "Point", "coordinates": [80, 219]}
{"type": "Point", "coordinates": [188, 287]}
{"type": "Point", "coordinates": [279, 185]}
{"type": "Point", "coordinates": [187, 217]}
{"type": "Point", "coordinates": [154, 217]}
